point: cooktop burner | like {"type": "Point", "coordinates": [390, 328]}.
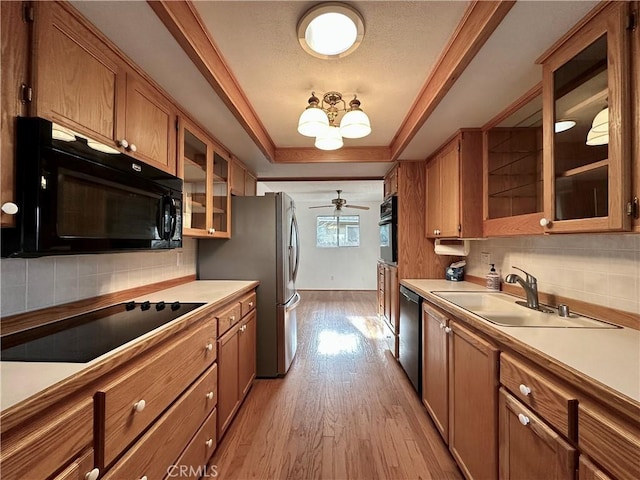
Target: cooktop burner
{"type": "Point", "coordinates": [82, 338]}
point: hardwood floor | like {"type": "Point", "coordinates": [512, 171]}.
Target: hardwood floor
{"type": "Point", "coordinates": [345, 410]}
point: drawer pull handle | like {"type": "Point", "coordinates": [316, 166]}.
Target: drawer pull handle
{"type": "Point", "coordinates": [442, 325]}
{"type": "Point", "coordinates": [93, 474]}
{"type": "Point", "coordinates": [524, 420]}
{"type": "Point", "coordinates": [524, 390]}
{"type": "Point", "coordinates": [209, 443]}
{"type": "Point", "coordinates": [232, 318]}
{"type": "Point", "coordinates": [447, 329]}
{"type": "Point", "coordinates": [210, 395]}
{"type": "Point", "coordinates": [250, 304]}
{"type": "Point", "coordinates": [139, 406]}
{"type": "Point", "coordinates": [143, 478]}
{"type": "Point", "coordinates": [209, 346]}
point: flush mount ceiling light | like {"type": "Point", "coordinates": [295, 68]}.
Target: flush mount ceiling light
{"type": "Point", "coordinates": [563, 125]}
{"type": "Point", "coordinates": [330, 30]}
{"type": "Point", "coordinates": [319, 120]}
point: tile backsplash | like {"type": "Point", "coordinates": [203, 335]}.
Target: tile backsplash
{"type": "Point", "coordinates": [599, 269]}
{"type": "Point", "coordinates": [30, 284]}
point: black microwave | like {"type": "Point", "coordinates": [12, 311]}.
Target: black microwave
{"type": "Point", "coordinates": [76, 195]}
{"type": "Point", "coordinates": [389, 230]}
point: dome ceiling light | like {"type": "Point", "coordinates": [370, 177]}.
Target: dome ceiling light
{"type": "Point", "coordinates": [330, 30]}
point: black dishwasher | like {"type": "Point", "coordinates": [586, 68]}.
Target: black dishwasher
{"type": "Point", "coordinates": [410, 336]}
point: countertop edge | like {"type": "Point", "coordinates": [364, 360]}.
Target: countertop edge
{"type": "Point", "coordinates": [587, 385]}
{"type": "Point", "coordinates": [18, 413]}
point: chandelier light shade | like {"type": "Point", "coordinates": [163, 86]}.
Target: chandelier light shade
{"type": "Point", "coordinates": [330, 140]}
{"type": "Point", "coordinates": [319, 120]}
{"type": "Point", "coordinates": [599, 132]}
{"type": "Point", "coordinates": [330, 30]}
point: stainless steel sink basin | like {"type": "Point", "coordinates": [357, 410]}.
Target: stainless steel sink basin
{"type": "Point", "coordinates": [502, 309]}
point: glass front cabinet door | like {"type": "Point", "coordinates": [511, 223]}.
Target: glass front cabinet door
{"type": "Point", "coordinates": [586, 129]}
{"type": "Point", "coordinates": [205, 190]}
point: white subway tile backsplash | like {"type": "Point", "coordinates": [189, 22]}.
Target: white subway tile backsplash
{"type": "Point", "coordinates": [600, 269]}
{"type": "Point", "coordinates": [30, 284]}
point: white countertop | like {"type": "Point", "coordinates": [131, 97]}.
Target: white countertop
{"type": "Point", "coordinates": [20, 380]}
{"type": "Point", "coordinates": [610, 357]}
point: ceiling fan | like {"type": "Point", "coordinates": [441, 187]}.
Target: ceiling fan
{"type": "Point", "coordinates": [339, 204]}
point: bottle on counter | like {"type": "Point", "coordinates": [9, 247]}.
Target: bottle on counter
{"type": "Point", "coordinates": [493, 279]}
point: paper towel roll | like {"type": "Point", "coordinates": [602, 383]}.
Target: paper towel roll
{"type": "Point", "coordinates": [458, 248]}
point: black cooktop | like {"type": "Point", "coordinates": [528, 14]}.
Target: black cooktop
{"type": "Point", "coordinates": [82, 338]}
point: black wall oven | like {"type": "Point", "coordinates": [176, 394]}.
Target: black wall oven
{"type": "Point", "coordinates": [389, 230]}
{"type": "Point", "coordinates": [74, 198]}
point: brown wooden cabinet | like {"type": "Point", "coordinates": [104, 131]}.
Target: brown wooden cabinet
{"type": "Point", "coordinates": [82, 82]}
{"type": "Point", "coordinates": [250, 184]}
{"type": "Point", "coordinates": [588, 471]}
{"type": "Point", "coordinates": [587, 168]}
{"type": "Point", "coordinates": [529, 448]}
{"type": "Point", "coordinates": [243, 182]}
{"type": "Point", "coordinates": [15, 73]}
{"type": "Point", "coordinates": [388, 301]}
{"type": "Point", "coordinates": [80, 469]}
{"type": "Point", "coordinates": [391, 182]}
{"type": "Point", "coordinates": [435, 370]}
{"type": "Point", "coordinates": [512, 171]}
{"type": "Point", "coordinates": [205, 170]}
{"type": "Point", "coordinates": [635, 114]}
{"type": "Point", "coordinates": [237, 362]}
{"type": "Point", "coordinates": [473, 402]}
{"type": "Point", "coordinates": [453, 200]}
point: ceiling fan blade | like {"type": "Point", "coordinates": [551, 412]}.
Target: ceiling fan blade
{"type": "Point", "coordinates": [357, 206]}
{"type": "Point", "coordinates": [323, 206]}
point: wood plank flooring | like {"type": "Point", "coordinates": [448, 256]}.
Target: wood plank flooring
{"type": "Point", "coordinates": [345, 410]}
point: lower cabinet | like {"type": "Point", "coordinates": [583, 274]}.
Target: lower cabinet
{"type": "Point", "coordinates": [237, 361]}
{"type": "Point", "coordinates": [529, 448]}
{"type": "Point", "coordinates": [473, 401]}
{"type": "Point", "coordinates": [588, 471]}
{"type": "Point", "coordinates": [389, 302]}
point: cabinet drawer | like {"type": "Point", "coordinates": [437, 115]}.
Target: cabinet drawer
{"type": "Point", "coordinates": [229, 317]}
{"type": "Point", "coordinates": [612, 443]}
{"type": "Point", "coordinates": [49, 443]}
{"type": "Point", "coordinates": [157, 380]}
{"type": "Point", "coordinates": [247, 304]}
{"type": "Point", "coordinates": [155, 453]}
{"type": "Point", "coordinates": [79, 469]}
{"type": "Point", "coordinates": [192, 463]}
{"type": "Point", "coordinates": [555, 404]}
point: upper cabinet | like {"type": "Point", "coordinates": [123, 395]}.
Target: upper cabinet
{"type": "Point", "coordinates": [391, 182]}
{"type": "Point", "coordinates": [205, 171]}
{"type": "Point", "coordinates": [243, 182]}
{"type": "Point", "coordinates": [512, 151]}
{"type": "Point", "coordinates": [81, 82]}
{"type": "Point", "coordinates": [586, 80]}
{"type": "Point", "coordinates": [453, 203]}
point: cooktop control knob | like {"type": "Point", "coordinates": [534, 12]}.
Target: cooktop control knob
{"type": "Point", "coordinates": [160, 306]}
{"type": "Point", "coordinates": [145, 306]}
{"type": "Point", "coordinates": [175, 306]}
{"type": "Point", "coordinates": [130, 306]}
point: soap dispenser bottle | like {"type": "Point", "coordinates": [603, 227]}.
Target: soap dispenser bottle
{"type": "Point", "coordinates": [493, 279]}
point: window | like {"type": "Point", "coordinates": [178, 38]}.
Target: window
{"type": "Point", "coordinates": [343, 231]}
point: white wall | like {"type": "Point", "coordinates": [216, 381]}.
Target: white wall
{"type": "Point", "coordinates": [599, 269]}
{"type": "Point", "coordinates": [30, 284]}
{"type": "Point", "coordinates": [344, 268]}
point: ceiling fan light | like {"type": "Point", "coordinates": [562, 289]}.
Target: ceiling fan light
{"type": "Point", "coordinates": [330, 140]}
{"type": "Point", "coordinates": [595, 138]}
{"type": "Point", "coordinates": [337, 212]}
{"type": "Point", "coordinates": [600, 122]}
{"type": "Point", "coordinates": [563, 125]}
{"type": "Point", "coordinates": [313, 122]}
{"type": "Point", "coordinates": [355, 124]}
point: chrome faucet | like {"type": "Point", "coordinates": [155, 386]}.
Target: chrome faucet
{"type": "Point", "coordinates": [530, 286]}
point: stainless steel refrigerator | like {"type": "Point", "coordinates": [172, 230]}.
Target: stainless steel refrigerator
{"type": "Point", "coordinates": [264, 246]}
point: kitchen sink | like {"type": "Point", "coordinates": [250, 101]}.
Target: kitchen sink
{"type": "Point", "coordinates": [502, 309]}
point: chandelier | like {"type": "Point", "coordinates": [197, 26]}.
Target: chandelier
{"type": "Point", "coordinates": [319, 120]}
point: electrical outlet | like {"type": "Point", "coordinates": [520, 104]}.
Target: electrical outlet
{"type": "Point", "coordinates": [485, 258]}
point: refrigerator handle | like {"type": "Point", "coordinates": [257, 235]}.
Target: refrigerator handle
{"type": "Point", "coordinates": [295, 230]}
{"type": "Point", "coordinates": [294, 302]}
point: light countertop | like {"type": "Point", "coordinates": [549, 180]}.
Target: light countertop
{"type": "Point", "coordinates": [610, 357]}
{"type": "Point", "coordinates": [21, 380]}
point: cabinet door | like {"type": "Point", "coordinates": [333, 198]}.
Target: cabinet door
{"type": "Point", "coordinates": [228, 381]}
{"type": "Point", "coordinates": [588, 471]}
{"type": "Point", "coordinates": [473, 403]}
{"type": "Point", "coordinates": [529, 448]}
{"type": "Point", "coordinates": [221, 198]}
{"type": "Point", "coordinates": [195, 154]}
{"type": "Point", "coordinates": [381, 287]}
{"type": "Point", "coordinates": [433, 208]}
{"type": "Point", "coordinates": [150, 125]}
{"type": "Point", "coordinates": [247, 353]}
{"type": "Point", "coordinates": [587, 168]}
{"type": "Point", "coordinates": [450, 191]}
{"type": "Point", "coordinates": [14, 66]}
{"type": "Point", "coordinates": [250, 185]}
{"type": "Point", "coordinates": [393, 293]}
{"type": "Point", "coordinates": [435, 380]}
{"type": "Point", "coordinates": [78, 81]}
{"type": "Point", "coordinates": [237, 178]}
